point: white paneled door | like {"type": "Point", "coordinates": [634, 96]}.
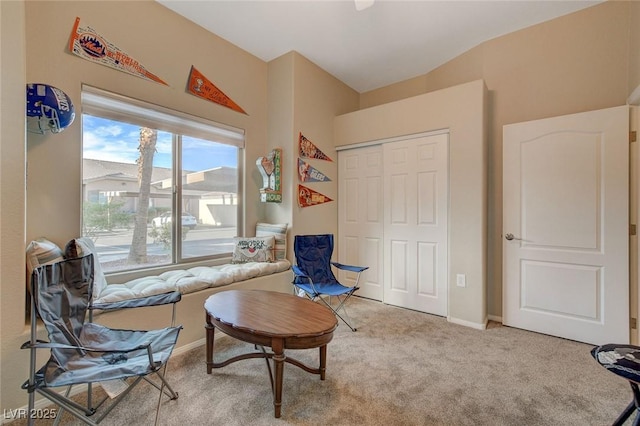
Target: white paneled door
{"type": "Point", "coordinates": [566, 227]}
{"type": "Point", "coordinates": [416, 194]}
{"type": "Point", "coordinates": [360, 225]}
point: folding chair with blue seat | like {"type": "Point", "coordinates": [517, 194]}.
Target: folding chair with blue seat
{"type": "Point", "coordinates": [314, 277]}
{"type": "Point", "coordinates": [624, 361]}
{"type": "Point", "coordinates": [83, 352]}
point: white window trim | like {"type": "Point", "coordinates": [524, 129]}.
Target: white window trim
{"type": "Point", "coordinates": [116, 107]}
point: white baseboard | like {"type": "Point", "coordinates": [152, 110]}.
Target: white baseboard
{"type": "Point", "coordinates": [192, 345]}
{"type": "Point", "coordinates": [201, 342]}
{"type": "Point", "coordinates": [495, 318]}
{"type": "Point", "coordinates": [476, 325]}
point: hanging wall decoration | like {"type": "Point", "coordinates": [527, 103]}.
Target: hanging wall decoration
{"type": "Point", "coordinates": [270, 168]}
{"type": "Point", "coordinates": [306, 173]}
{"type": "Point", "coordinates": [309, 150]}
{"type": "Point", "coordinates": [49, 109]}
{"type": "Point", "coordinates": [86, 43]}
{"type": "Point", "coordinates": [308, 197]}
{"type": "Point", "coordinates": [200, 86]}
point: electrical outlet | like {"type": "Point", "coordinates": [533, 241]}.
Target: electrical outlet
{"type": "Point", "coordinates": [461, 280]}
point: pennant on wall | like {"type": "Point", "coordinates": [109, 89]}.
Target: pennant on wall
{"type": "Point", "coordinates": [308, 197]}
{"type": "Point", "coordinates": [309, 150]}
{"type": "Point", "coordinates": [200, 86]}
{"type": "Point", "coordinates": [88, 44]}
{"type": "Point", "coordinates": [306, 173]}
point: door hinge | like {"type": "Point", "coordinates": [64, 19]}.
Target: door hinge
{"type": "Point", "coordinates": [632, 136]}
{"type": "Point", "coordinates": [633, 322]}
{"type": "Point", "coordinates": [633, 229]}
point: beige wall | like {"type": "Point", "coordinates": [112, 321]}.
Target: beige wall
{"type": "Point", "coordinates": [305, 99]}
{"type": "Point", "coordinates": [579, 62]}
{"type": "Point", "coordinates": [281, 113]}
{"type": "Point", "coordinates": [634, 45]}
{"type": "Point", "coordinates": [12, 202]}
{"type": "Point", "coordinates": [318, 99]}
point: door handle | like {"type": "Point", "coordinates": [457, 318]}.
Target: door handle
{"type": "Point", "coordinates": [509, 236]}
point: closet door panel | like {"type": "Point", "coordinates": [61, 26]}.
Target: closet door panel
{"type": "Point", "coordinates": [360, 218]}
{"type": "Point", "coordinates": [398, 198]}
{"type": "Point", "coordinates": [427, 201]}
{"type": "Point", "coordinates": [416, 176]}
{"type": "Point", "coordinates": [398, 268]}
{"type": "Point", "coordinates": [427, 270]}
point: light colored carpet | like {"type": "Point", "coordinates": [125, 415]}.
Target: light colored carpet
{"type": "Point", "coordinates": [400, 368]}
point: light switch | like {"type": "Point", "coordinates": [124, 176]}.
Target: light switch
{"type": "Point", "coordinates": [461, 280]}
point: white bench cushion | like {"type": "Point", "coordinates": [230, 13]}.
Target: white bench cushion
{"type": "Point", "coordinates": [189, 280]}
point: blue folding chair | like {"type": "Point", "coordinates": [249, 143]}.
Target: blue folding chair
{"type": "Point", "coordinates": [313, 276]}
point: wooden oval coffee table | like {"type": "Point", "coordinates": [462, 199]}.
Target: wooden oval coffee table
{"type": "Point", "coordinates": [270, 319]}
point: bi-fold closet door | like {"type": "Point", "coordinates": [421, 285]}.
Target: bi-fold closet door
{"type": "Point", "coordinates": [393, 203]}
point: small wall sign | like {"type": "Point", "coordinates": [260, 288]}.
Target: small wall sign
{"type": "Point", "coordinates": [270, 168]}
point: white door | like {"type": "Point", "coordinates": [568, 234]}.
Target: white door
{"type": "Point", "coordinates": [360, 217]}
{"type": "Point", "coordinates": [416, 193]}
{"type": "Point", "coordinates": [566, 227]}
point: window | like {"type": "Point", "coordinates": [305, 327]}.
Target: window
{"type": "Point", "coordinates": [143, 167]}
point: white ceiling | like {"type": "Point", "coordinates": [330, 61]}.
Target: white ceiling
{"type": "Point", "coordinates": [388, 42]}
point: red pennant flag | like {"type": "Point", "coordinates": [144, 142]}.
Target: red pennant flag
{"type": "Point", "coordinates": [308, 197]}
{"type": "Point", "coordinates": [309, 150]}
{"type": "Point", "coordinates": [200, 86]}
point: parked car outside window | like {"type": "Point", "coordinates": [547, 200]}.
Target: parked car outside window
{"type": "Point", "coordinates": [188, 220]}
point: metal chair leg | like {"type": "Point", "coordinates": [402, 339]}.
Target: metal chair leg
{"type": "Point", "coordinates": [335, 311]}
{"type": "Point", "coordinates": [633, 406]}
{"type": "Point", "coordinates": [626, 414]}
{"type": "Point", "coordinates": [342, 306]}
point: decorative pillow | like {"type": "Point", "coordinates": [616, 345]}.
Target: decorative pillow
{"type": "Point", "coordinates": [279, 231]}
{"type": "Point", "coordinates": [79, 247]}
{"type": "Point", "coordinates": [42, 252]}
{"type": "Point", "coordinates": [258, 249]}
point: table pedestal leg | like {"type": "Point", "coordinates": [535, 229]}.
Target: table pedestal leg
{"type": "Point", "coordinates": [278, 360]}
{"type": "Point", "coordinates": [210, 336]}
{"type": "Point", "coordinates": [323, 361]}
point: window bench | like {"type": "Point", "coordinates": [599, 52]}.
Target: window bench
{"type": "Point", "coordinates": [196, 285]}
{"type": "Point", "coordinates": [189, 280]}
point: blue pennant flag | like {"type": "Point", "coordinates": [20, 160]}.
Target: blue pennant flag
{"type": "Point", "coordinates": [306, 173]}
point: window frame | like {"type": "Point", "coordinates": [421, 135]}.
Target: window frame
{"type": "Point", "coordinates": [112, 106]}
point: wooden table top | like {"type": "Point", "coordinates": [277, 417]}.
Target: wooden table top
{"type": "Point", "coordinates": [271, 313]}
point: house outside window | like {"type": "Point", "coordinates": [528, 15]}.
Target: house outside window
{"type": "Point", "coordinates": [143, 167]}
